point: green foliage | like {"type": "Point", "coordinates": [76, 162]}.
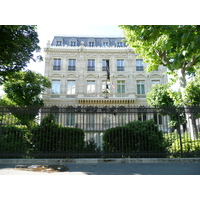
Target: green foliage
{"type": "Point", "coordinates": [23, 95]}
{"type": "Point", "coordinates": [91, 146]}
{"type": "Point", "coordinates": [192, 90]}
{"type": "Point", "coordinates": [14, 139]}
{"type": "Point", "coordinates": [135, 137]}
{"type": "Point", "coordinates": [17, 45]}
{"type": "Point", "coordinates": [174, 46]}
{"type": "Point", "coordinates": [24, 88]}
{"type": "Point", "coordinates": [188, 146]}
{"type": "Point", "coordinates": [49, 137]}
{"type": "Point", "coordinates": [159, 96]}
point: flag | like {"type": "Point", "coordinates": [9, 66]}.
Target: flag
{"type": "Point", "coordinates": [107, 70]}
{"type": "Point", "coordinates": [111, 82]}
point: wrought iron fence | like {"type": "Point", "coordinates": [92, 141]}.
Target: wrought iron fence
{"type": "Point", "coordinates": [99, 132]}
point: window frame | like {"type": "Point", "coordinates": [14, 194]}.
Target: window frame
{"type": "Point", "coordinates": [153, 82]}
{"type": "Point", "coordinates": [140, 84]}
{"type": "Point", "coordinates": [104, 66]}
{"type": "Point", "coordinates": [56, 64]}
{"type": "Point", "coordinates": [70, 119]}
{"type": "Point", "coordinates": [91, 65]}
{"type": "Point", "coordinates": [59, 43]}
{"type": "Point", "coordinates": [121, 86]}
{"type": "Point", "coordinates": [120, 64]}
{"type": "Point", "coordinates": [70, 90]}
{"type": "Point", "coordinates": [54, 87]}
{"type": "Point", "coordinates": [139, 65]}
{"type": "Point", "coordinates": [91, 88]}
{"type": "Point", "coordinates": [72, 67]}
{"type": "Point", "coordinates": [91, 42]}
{"type": "Point", "coordinates": [73, 43]}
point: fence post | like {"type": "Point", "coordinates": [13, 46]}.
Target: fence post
{"type": "Point", "coordinates": [0, 129]}
{"type": "Point", "coordinates": [179, 132]}
{"type": "Point", "coordinates": [122, 143]}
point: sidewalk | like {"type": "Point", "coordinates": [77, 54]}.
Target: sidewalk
{"type": "Point", "coordinates": [113, 169]}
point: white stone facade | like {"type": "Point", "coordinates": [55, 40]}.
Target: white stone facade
{"type": "Point", "coordinates": [77, 69]}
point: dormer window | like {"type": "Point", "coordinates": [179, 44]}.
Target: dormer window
{"type": "Point", "coordinates": [91, 44]}
{"type": "Point", "coordinates": [119, 44]}
{"type": "Point", "coordinates": [58, 43]}
{"type": "Point", "coordinates": [105, 44]}
{"type": "Point", "coordinates": [73, 43]}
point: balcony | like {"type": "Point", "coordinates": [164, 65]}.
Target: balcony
{"type": "Point", "coordinates": [106, 98]}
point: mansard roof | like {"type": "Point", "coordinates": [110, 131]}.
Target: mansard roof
{"type": "Point", "coordinates": [98, 41]}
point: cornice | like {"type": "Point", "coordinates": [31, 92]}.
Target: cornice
{"type": "Point", "coordinates": [88, 50]}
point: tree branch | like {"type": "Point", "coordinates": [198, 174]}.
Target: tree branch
{"type": "Point", "coordinates": [163, 56]}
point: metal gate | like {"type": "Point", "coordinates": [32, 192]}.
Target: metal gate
{"type": "Point", "coordinates": [99, 132]}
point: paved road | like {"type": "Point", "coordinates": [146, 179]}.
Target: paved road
{"type": "Point", "coordinates": [115, 169]}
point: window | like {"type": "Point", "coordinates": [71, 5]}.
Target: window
{"type": "Point", "coordinates": [90, 121]}
{"type": "Point", "coordinates": [154, 82]}
{"type": "Point", "coordinates": [142, 117]}
{"type": "Point", "coordinates": [119, 44]}
{"type": "Point", "coordinates": [140, 87]}
{"type": "Point", "coordinates": [139, 65]}
{"type": "Point", "coordinates": [71, 87]}
{"type": "Point", "coordinates": [57, 64]}
{"type": "Point", "coordinates": [105, 87]}
{"type": "Point", "coordinates": [120, 86]}
{"type": "Point", "coordinates": [91, 65]}
{"type": "Point", "coordinates": [70, 119]}
{"type": "Point", "coordinates": [106, 121]}
{"type": "Point", "coordinates": [55, 87]}
{"type": "Point", "coordinates": [120, 65]}
{"type": "Point", "coordinates": [90, 86]}
{"type": "Point", "coordinates": [105, 44]}
{"type": "Point", "coordinates": [71, 65]}
{"type": "Point", "coordinates": [157, 118]}
{"type": "Point", "coordinates": [104, 64]}
{"type": "Point", "coordinates": [121, 119]}
{"type": "Point", "coordinates": [121, 116]}
{"type": "Point", "coordinates": [55, 111]}
{"type": "Point", "coordinates": [91, 44]}
{"type": "Point", "coordinates": [72, 43]}
{"type": "Point", "coordinates": [58, 43]}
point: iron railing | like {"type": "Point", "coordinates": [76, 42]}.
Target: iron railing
{"type": "Point", "coordinates": [99, 132]}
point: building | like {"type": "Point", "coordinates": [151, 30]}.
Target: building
{"type": "Point", "coordinates": [96, 71]}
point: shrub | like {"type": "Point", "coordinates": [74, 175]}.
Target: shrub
{"type": "Point", "coordinates": [135, 137]}
{"type": "Point", "coordinates": [49, 137]}
{"type": "Point", "coordinates": [14, 139]}
{"type": "Point", "coordinates": [91, 146]}
{"type": "Point", "coordinates": [188, 147]}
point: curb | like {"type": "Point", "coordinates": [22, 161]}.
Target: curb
{"type": "Point", "coordinates": [99, 160]}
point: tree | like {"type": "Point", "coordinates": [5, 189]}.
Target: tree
{"type": "Point", "coordinates": [161, 97]}
{"type": "Point", "coordinates": [24, 89]}
{"type": "Point", "coordinates": [17, 45]}
{"type": "Point", "coordinates": [174, 46]}
{"type": "Point", "coordinates": [192, 90]}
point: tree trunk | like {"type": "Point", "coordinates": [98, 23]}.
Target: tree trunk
{"type": "Point", "coordinates": [190, 117]}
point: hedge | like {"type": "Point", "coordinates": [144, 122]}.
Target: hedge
{"type": "Point", "coordinates": [14, 139]}
{"type": "Point", "coordinates": [50, 137]}
{"type": "Point", "coordinates": [135, 137]}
